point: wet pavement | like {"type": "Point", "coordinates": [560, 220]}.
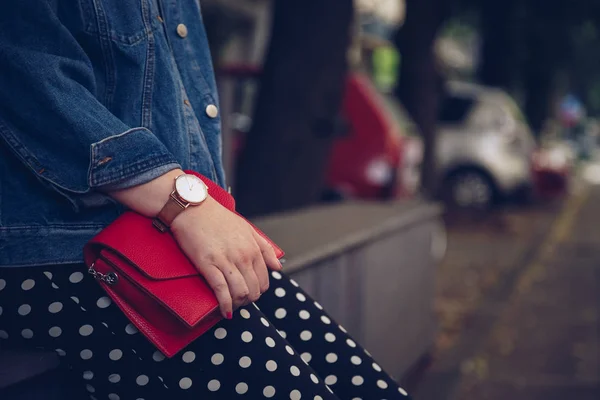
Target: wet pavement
{"type": "Point", "coordinates": [518, 304]}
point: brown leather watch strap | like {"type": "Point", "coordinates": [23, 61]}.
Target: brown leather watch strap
{"type": "Point", "coordinates": [165, 217]}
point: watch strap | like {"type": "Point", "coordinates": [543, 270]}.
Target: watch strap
{"type": "Point", "coordinates": [165, 217]}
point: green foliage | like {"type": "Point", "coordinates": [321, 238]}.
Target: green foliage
{"type": "Point", "coordinates": [386, 61]}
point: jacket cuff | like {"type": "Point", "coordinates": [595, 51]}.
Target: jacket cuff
{"type": "Point", "coordinates": [142, 178]}
{"type": "Point", "coordinates": [131, 158]}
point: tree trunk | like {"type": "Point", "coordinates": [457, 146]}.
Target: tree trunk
{"type": "Point", "coordinates": [539, 88]}
{"type": "Point", "coordinates": [497, 62]}
{"type": "Point", "coordinates": [284, 160]}
{"type": "Point", "coordinates": [547, 36]}
{"type": "Point", "coordinates": [420, 83]}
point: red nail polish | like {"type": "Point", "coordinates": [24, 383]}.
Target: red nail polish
{"type": "Point", "coordinates": [229, 315]}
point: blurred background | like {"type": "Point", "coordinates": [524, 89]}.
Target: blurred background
{"type": "Point", "coordinates": [431, 168]}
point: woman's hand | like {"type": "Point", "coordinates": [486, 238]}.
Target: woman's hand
{"type": "Point", "coordinates": [226, 250]}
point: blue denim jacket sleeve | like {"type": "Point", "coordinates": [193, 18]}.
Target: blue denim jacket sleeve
{"type": "Point", "coordinates": [50, 115]}
{"type": "Point", "coordinates": [142, 178]}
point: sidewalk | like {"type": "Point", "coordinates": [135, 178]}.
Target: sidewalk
{"type": "Point", "coordinates": [520, 309]}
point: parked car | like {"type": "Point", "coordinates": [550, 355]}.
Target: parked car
{"type": "Point", "coordinates": [484, 146]}
{"type": "Point", "coordinates": [376, 158]}
{"type": "Point", "coordinates": [372, 158]}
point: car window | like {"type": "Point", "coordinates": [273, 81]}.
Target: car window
{"type": "Point", "coordinates": [455, 109]}
{"type": "Point", "coordinates": [490, 113]}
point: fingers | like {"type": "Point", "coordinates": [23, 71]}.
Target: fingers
{"type": "Point", "coordinates": [229, 285]}
{"type": "Point", "coordinates": [260, 269]}
{"type": "Point", "coordinates": [246, 269]}
{"type": "Point", "coordinates": [216, 280]}
{"type": "Point", "coordinates": [268, 253]}
{"type": "Point", "coordinates": [236, 283]}
{"type": "Point", "coordinates": [238, 286]}
{"type": "Point", "coordinates": [228, 252]}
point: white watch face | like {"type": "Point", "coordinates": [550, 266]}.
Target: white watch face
{"type": "Point", "coordinates": [191, 188]}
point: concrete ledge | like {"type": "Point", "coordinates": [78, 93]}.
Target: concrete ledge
{"type": "Point", "coordinates": [312, 235]}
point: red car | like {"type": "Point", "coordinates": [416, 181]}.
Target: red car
{"type": "Point", "coordinates": [374, 159]}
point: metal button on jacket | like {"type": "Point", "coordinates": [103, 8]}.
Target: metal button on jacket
{"type": "Point", "coordinates": [212, 111]}
{"type": "Point", "coordinates": [182, 30]}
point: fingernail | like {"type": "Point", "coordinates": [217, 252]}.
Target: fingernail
{"type": "Point", "coordinates": [229, 315]}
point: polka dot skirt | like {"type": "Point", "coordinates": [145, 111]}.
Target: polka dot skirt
{"type": "Point", "coordinates": [283, 347]}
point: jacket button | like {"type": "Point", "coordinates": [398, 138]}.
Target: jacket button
{"type": "Point", "coordinates": [182, 30]}
{"type": "Point", "coordinates": [212, 111]}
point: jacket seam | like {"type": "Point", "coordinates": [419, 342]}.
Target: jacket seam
{"type": "Point", "coordinates": [87, 14]}
{"type": "Point", "coordinates": [105, 44]}
{"type": "Point", "coordinates": [18, 147]}
{"type": "Point", "coordinates": [149, 70]}
{"type": "Point", "coordinates": [33, 228]}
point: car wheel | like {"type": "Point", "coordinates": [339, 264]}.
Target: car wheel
{"type": "Point", "coordinates": [470, 189]}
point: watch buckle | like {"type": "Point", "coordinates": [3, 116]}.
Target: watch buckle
{"type": "Point", "coordinates": [159, 225]}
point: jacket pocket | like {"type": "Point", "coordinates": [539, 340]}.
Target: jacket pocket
{"type": "Point", "coordinates": [124, 21]}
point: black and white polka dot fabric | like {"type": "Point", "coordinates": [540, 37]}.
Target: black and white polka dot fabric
{"type": "Point", "coordinates": [284, 347]}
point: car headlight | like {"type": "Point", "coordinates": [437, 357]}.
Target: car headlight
{"type": "Point", "coordinates": [379, 172]}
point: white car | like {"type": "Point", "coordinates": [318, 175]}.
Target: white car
{"type": "Point", "coordinates": [484, 146]}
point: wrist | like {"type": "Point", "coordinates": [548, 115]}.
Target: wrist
{"type": "Point", "coordinates": [182, 220]}
{"type": "Point", "coordinates": [149, 198]}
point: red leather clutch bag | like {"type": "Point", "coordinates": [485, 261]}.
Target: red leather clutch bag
{"type": "Point", "coordinates": [152, 281]}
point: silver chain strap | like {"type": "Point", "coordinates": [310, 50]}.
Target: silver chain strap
{"type": "Point", "coordinates": [110, 279]}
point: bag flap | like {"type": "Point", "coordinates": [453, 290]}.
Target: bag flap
{"type": "Point", "coordinates": [133, 238]}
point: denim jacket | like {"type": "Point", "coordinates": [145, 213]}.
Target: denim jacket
{"type": "Point", "coordinates": [96, 94]}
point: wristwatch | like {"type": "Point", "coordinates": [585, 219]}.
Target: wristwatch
{"type": "Point", "coordinates": [189, 190]}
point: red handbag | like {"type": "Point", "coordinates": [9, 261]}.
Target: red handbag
{"type": "Point", "coordinates": [152, 281]}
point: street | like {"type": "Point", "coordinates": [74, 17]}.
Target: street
{"type": "Point", "coordinates": [518, 305]}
